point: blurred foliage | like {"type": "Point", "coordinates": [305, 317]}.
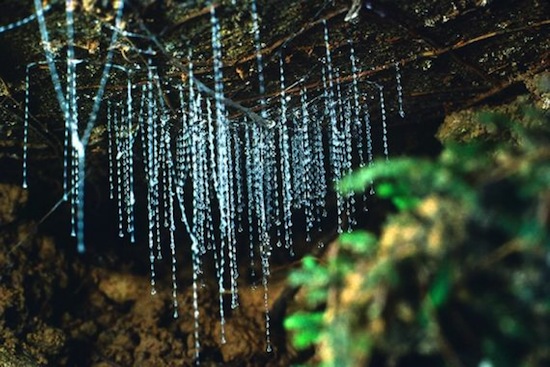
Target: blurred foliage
{"type": "Point", "coordinates": [459, 275]}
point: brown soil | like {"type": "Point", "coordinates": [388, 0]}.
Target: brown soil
{"type": "Point", "coordinates": [58, 309]}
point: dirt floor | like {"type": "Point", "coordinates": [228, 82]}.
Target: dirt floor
{"type": "Point", "coordinates": [60, 309]}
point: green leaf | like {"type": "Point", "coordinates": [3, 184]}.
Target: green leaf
{"type": "Point", "coordinates": [295, 321]}
{"type": "Point", "coordinates": [306, 326]}
{"type": "Point", "coordinates": [318, 277]}
{"type": "Point", "coordinates": [400, 168]}
{"type": "Point", "coordinates": [405, 202]}
{"type": "Point", "coordinates": [386, 189]}
{"type": "Point", "coordinates": [441, 286]}
{"type": "Point", "coordinates": [305, 338]}
{"type": "Point", "coordinates": [361, 242]}
{"type": "Point", "coordinates": [309, 262]}
{"type": "Point", "coordinates": [316, 296]}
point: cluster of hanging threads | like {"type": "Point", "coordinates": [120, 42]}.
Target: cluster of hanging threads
{"type": "Point", "coordinates": [247, 179]}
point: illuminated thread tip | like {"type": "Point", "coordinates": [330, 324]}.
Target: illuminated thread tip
{"type": "Point", "coordinates": [399, 90]}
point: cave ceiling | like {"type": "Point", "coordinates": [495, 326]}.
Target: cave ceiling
{"type": "Point", "coordinates": [451, 54]}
